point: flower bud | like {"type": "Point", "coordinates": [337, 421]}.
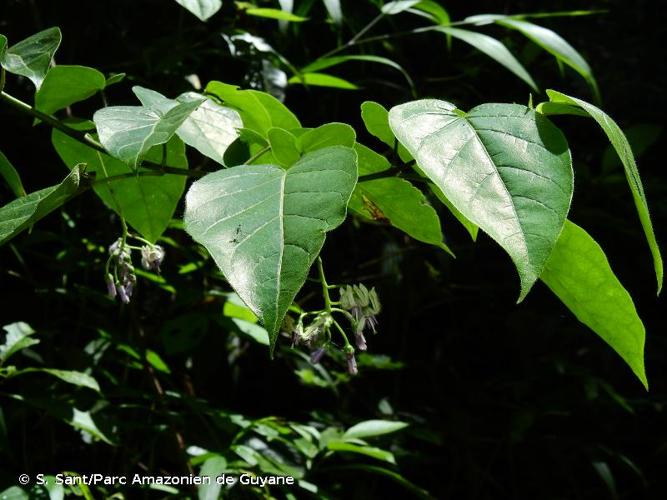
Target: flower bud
{"type": "Point", "coordinates": [111, 286]}
{"type": "Point", "coordinates": [151, 257]}
{"type": "Point", "coordinates": [352, 364]}
{"type": "Point", "coordinates": [316, 355]}
{"type": "Point", "coordinates": [360, 340]}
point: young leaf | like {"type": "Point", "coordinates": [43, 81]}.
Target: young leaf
{"type": "Point", "coordinates": [259, 111]}
{"type": "Point", "coordinates": [264, 225]}
{"type": "Point", "coordinates": [25, 211]}
{"type": "Point", "coordinates": [146, 202]}
{"type": "Point", "coordinates": [128, 132]}
{"type": "Point", "coordinates": [31, 57]}
{"type": "Point", "coordinates": [322, 80]}
{"type": "Point", "coordinates": [65, 85]}
{"type": "Point", "coordinates": [372, 428]}
{"type": "Point", "coordinates": [503, 166]}
{"type": "Point", "coordinates": [622, 147]}
{"type": "Point", "coordinates": [203, 9]}
{"type": "Point", "coordinates": [324, 136]}
{"type": "Point", "coordinates": [395, 201]}
{"type": "Point", "coordinates": [579, 274]}
{"type": "Point", "coordinates": [556, 45]}
{"type": "Point", "coordinates": [283, 146]}
{"type": "Point", "coordinates": [376, 120]}
{"type": "Point", "coordinates": [492, 48]}
{"type": "Point", "coordinates": [11, 176]}
{"type": "Point", "coordinates": [17, 338]}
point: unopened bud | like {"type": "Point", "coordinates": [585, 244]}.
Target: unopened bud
{"type": "Point", "coordinates": [316, 355]}
{"type": "Point", "coordinates": [352, 364]}
{"type": "Point", "coordinates": [111, 286]}
{"type": "Point", "coordinates": [360, 340]}
{"type": "Point", "coordinates": [124, 297]}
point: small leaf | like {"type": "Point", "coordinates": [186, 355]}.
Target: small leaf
{"type": "Point", "coordinates": [156, 361]}
{"type": "Point", "coordinates": [492, 48]}
{"type": "Point", "coordinates": [322, 80]}
{"type": "Point", "coordinates": [503, 166]}
{"type": "Point", "coordinates": [324, 136]}
{"type": "Point", "coordinates": [128, 132]}
{"type": "Point", "coordinates": [369, 451]}
{"type": "Point", "coordinates": [203, 9]}
{"type": "Point", "coordinates": [579, 274]}
{"type": "Point", "coordinates": [25, 211]}
{"type": "Point", "coordinates": [274, 14]}
{"type": "Point", "coordinates": [146, 202]}
{"type": "Point", "coordinates": [283, 146]}
{"type": "Point", "coordinates": [31, 57]}
{"type": "Point", "coordinates": [71, 377]}
{"type": "Point", "coordinates": [264, 225]}
{"type": "Point", "coordinates": [556, 45]}
{"type": "Point", "coordinates": [115, 78]}
{"type": "Point", "coordinates": [11, 176]}
{"type": "Point", "coordinates": [395, 201]}
{"type": "Point", "coordinates": [334, 10]}
{"type": "Point", "coordinates": [620, 143]}
{"type": "Point", "coordinates": [372, 428]}
{"type": "Point", "coordinates": [393, 8]}
{"type": "Point", "coordinates": [376, 120]}
{"type": "Point", "coordinates": [65, 85]}
{"type": "Point", "coordinates": [212, 468]}
{"type": "Point", "coordinates": [328, 62]}
{"type": "Point", "coordinates": [17, 338]}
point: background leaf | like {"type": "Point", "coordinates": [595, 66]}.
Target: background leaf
{"type": "Point", "coordinates": [31, 57]}
{"type": "Point", "coordinates": [11, 176]}
{"type": "Point", "coordinates": [372, 428]}
{"type": "Point", "coordinates": [65, 85]}
{"type": "Point", "coordinates": [203, 9]}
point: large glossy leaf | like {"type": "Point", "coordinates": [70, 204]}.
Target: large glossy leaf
{"type": "Point", "coordinates": [624, 151]}
{"type": "Point", "coordinates": [65, 85]}
{"type": "Point", "coordinates": [503, 166]}
{"type": "Point", "coordinates": [146, 202]}
{"type": "Point", "coordinates": [264, 225]}
{"type": "Point", "coordinates": [259, 111]}
{"type": "Point", "coordinates": [31, 57]}
{"type": "Point", "coordinates": [394, 201]}
{"type": "Point", "coordinates": [579, 274]}
{"type": "Point", "coordinates": [25, 211]}
{"type": "Point", "coordinates": [492, 48]}
{"type": "Point", "coordinates": [556, 45]}
{"type": "Point", "coordinates": [11, 176]}
{"type": "Point", "coordinates": [128, 132]}
{"type": "Point", "coordinates": [210, 128]}
{"type": "Point", "coordinates": [203, 9]}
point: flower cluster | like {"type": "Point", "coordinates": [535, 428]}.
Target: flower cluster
{"type": "Point", "coordinates": [121, 278]}
{"type": "Point", "coordinates": [363, 305]}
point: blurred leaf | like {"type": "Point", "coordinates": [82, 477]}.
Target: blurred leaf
{"type": "Point", "coordinates": [434, 10]}
{"type": "Point", "coordinates": [55, 490]}
{"type": "Point", "coordinates": [396, 7]}
{"type": "Point", "coordinates": [622, 147]}
{"type": "Point", "coordinates": [235, 308]}
{"type": "Point", "coordinates": [212, 468]}
{"type": "Point", "coordinates": [66, 85]}
{"type": "Point", "coordinates": [156, 361]}
{"type": "Point", "coordinates": [322, 80]}
{"type": "Point", "coordinates": [579, 274]}
{"type": "Point", "coordinates": [203, 9]}
{"type": "Point", "coordinates": [394, 476]}
{"type": "Point", "coordinates": [370, 451]}
{"type": "Point", "coordinates": [252, 330]}
{"type": "Point", "coordinates": [372, 428]}
{"type": "Point", "coordinates": [273, 14]}
{"type": "Point", "coordinates": [71, 377]}
{"type": "Point", "coordinates": [492, 48]}
{"type": "Point", "coordinates": [115, 78]}
{"type": "Point", "coordinates": [11, 176]}
{"type": "Point", "coordinates": [31, 57]}
{"type": "Point", "coordinates": [23, 212]}
{"type": "Point", "coordinates": [17, 338]}
{"type": "Point", "coordinates": [334, 10]}
{"type": "Point", "coordinates": [14, 493]}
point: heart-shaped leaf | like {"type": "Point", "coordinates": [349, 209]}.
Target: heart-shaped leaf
{"type": "Point", "coordinates": [65, 85]}
{"type": "Point", "coordinates": [503, 166]}
{"type": "Point", "coordinates": [203, 9]}
{"type": "Point", "coordinates": [265, 225]}
{"type": "Point", "coordinates": [31, 57]}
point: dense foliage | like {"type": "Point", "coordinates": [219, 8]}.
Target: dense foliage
{"type": "Point", "coordinates": [244, 265]}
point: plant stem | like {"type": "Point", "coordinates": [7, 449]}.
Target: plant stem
{"type": "Point", "coordinates": [259, 153]}
{"type": "Point", "coordinates": [325, 286]}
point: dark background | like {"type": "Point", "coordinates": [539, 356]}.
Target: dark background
{"type": "Point", "coordinates": [510, 401]}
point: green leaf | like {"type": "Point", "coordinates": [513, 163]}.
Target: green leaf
{"type": "Point", "coordinates": [252, 330]}
{"type": "Point", "coordinates": [65, 85]}
{"type": "Point", "coordinates": [334, 10]}
{"type": "Point", "coordinates": [624, 151]}
{"type": "Point", "coordinates": [556, 45]}
{"type": "Point", "coordinates": [115, 78]}
{"type": "Point", "coordinates": [146, 202]}
{"type": "Point", "coordinates": [212, 468]}
{"type": "Point", "coordinates": [283, 146]}
{"type": "Point", "coordinates": [328, 62]}
{"type": "Point", "coordinates": [11, 176]}
{"type": "Point", "coordinates": [274, 14]}
{"type": "Point", "coordinates": [395, 201]}
{"type": "Point", "coordinates": [322, 80]}
{"type": "Point", "coordinates": [31, 57]}
{"type": "Point", "coordinates": [435, 11]}
{"type": "Point", "coordinates": [264, 225]}
{"type": "Point", "coordinates": [503, 166]}
{"type": "Point", "coordinates": [369, 451]}
{"type": "Point", "coordinates": [492, 48]}
{"type": "Point", "coordinates": [3, 47]}
{"type": "Point", "coordinates": [25, 211]}
{"type": "Point", "coordinates": [71, 377]}
{"type": "Point", "coordinates": [473, 229]}
{"type": "Point", "coordinates": [14, 493]}
{"type": "Point", "coordinates": [156, 361]}
{"type": "Point", "coordinates": [128, 132]}
{"type": "Point", "coordinates": [372, 428]}
{"type": "Point", "coordinates": [579, 274]}
{"type": "Point", "coordinates": [259, 111]}
{"type": "Point", "coordinates": [324, 136]}
{"type": "Point", "coordinates": [17, 338]}
{"type": "Point", "coordinates": [376, 120]}
{"type": "Point", "coordinates": [396, 7]}
{"type": "Point", "coordinates": [83, 420]}
{"type": "Point", "coordinates": [203, 9]}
